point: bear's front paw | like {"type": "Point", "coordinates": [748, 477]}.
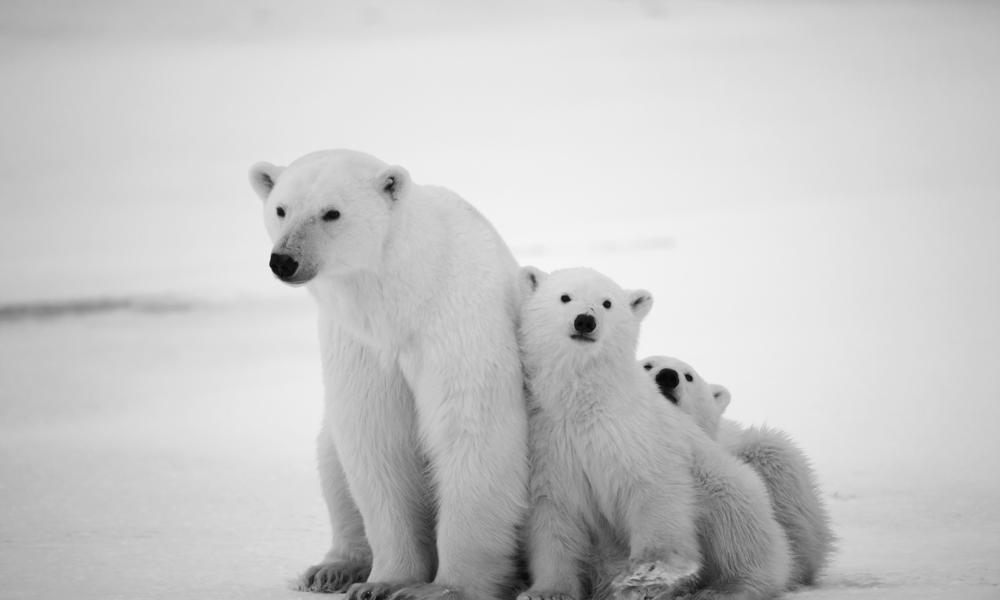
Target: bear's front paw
{"type": "Point", "coordinates": [647, 580]}
{"type": "Point", "coordinates": [544, 595]}
{"type": "Point", "coordinates": [372, 590]}
{"type": "Point", "coordinates": [426, 591]}
{"type": "Point", "coordinates": [332, 577]}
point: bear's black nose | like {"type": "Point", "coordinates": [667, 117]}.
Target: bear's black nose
{"type": "Point", "coordinates": [283, 266]}
{"type": "Point", "coordinates": [667, 379]}
{"type": "Point", "coordinates": [585, 323]}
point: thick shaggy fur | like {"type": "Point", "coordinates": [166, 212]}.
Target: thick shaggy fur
{"type": "Point", "coordinates": [423, 448]}
{"type": "Point", "coordinates": [667, 513]}
{"type": "Point", "coordinates": [785, 469]}
{"type": "Point", "coordinates": [795, 495]}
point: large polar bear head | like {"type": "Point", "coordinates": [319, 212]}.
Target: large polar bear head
{"type": "Point", "coordinates": [681, 385]}
{"type": "Point", "coordinates": [328, 212]}
{"type": "Point", "coordinates": [577, 318]}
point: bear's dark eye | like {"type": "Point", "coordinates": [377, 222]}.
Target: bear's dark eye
{"type": "Point", "coordinates": [648, 367]}
{"type": "Point", "coordinates": [688, 377]}
{"type": "Point", "coordinates": [565, 298]}
{"type": "Point", "coordinates": [281, 212]}
{"type": "Point", "coordinates": [331, 215]}
{"type": "Point", "coordinates": [607, 304]}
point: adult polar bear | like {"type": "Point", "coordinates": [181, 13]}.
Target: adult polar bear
{"type": "Point", "coordinates": [423, 447]}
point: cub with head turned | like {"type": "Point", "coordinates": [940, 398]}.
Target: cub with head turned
{"type": "Point", "coordinates": [791, 483]}
{"type": "Point", "coordinates": [675, 511]}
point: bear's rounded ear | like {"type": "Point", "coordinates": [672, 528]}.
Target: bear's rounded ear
{"type": "Point", "coordinates": [640, 301]}
{"type": "Point", "coordinates": [392, 181]}
{"type": "Point", "coordinates": [263, 176]}
{"type": "Point", "coordinates": [721, 396]}
{"type": "Point", "coordinates": [531, 278]}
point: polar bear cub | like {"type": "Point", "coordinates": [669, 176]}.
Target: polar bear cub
{"type": "Point", "coordinates": [786, 472]}
{"type": "Point", "coordinates": [605, 480]}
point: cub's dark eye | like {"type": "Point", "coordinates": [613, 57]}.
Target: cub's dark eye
{"type": "Point", "coordinates": [607, 304]}
{"type": "Point", "coordinates": [648, 367]}
{"type": "Point", "coordinates": [565, 298]}
{"type": "Point", "coordinates": [331, 215]}
{"type": "Point", "coordinates": [688, 377]}
{"type": "Point", "coordinates": [281, 212]}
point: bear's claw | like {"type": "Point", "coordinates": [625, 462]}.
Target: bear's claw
{"type": "Point", "coordinates": [649, 580]}
{"type": "Point", "coordinates": [372, 590]}
{"type": "Point", "coordinates": [544, 595]}
{"type": "Point", "coordinates": [332, 577]}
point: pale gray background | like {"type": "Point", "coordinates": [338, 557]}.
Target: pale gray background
{"type": "Point", "coordinates": [811, 190]}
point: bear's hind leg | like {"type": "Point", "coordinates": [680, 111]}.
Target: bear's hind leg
{"type": "Point", "coordinates": [795, 496]}
{"type": "Point", "coordinates": [746, 550]}
{"type": "Point", "coordinates": [736, 591]}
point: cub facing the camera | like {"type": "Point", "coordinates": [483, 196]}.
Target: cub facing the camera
{"type": "Point", "coordinates": [785, 469]}
{"type": "Point", "coordinates": [659, 514]}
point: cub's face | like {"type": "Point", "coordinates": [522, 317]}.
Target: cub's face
{"type": "Point", "coordinates": [681, 385]}
{"type": "Point", "coordinates": [327, 213]}
{"type": "Point", "coordinates": [576, 315]}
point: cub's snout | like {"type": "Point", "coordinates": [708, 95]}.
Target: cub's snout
{"type": "Point", "coordinates": [585, 323]}
{"type": "Point", "coordinates": [668, 380]}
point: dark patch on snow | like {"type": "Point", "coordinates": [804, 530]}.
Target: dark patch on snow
{"type": "Point", "coordinates": [89, 306]}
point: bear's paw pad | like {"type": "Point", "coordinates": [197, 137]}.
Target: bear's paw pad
{"type": "Point", "coordinates": [426, 591]}
{"type": "Point", "coordinates": [332, 577]}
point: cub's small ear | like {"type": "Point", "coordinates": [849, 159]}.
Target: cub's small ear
{"type": "Point", "coordinates": [721, 396]}
{"type": "Point", "coordinates": [531, 278]}
{"type": "Point", "coordinates": [263, 176]}
{"type": "Point", "coordinates": [640, 301]}
{"type": "Point", "coordinates": [392, 181]}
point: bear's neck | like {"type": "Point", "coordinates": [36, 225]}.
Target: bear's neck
{"type": "Point", "coordinates": [588, 389]}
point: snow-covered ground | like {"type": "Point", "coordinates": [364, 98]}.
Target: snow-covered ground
{"type": "Point", "coordinates": [810, 189]}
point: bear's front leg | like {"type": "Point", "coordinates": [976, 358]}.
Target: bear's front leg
{"type": "Point", "coordinates": [472, 415]}
{"type": "Point", "coordinates": [556, 535]}
{"type": "Point", "coordinates": [556, 544]}
{"type": "Point", "coordinates": [372, 420]}
{"type": "Point", "coordinates": [349, 559]}
{"type": "Point", "coordinates": [665, 553]}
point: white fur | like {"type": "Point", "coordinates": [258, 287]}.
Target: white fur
{"type": "Point", "coordinates": [785, 469]}
{"type": "Point", "coordinates": [684, 513]}
{"type": "Point", "coordinates": [425, 414]}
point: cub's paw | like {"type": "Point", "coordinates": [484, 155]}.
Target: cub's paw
{"type": "Point", "coordinates": [651, 579]}
{"type": "Point", "coordinates": [544, 595]}
{"type": "Point", "coordinates": [426, 591]}
{"type": "Point", "coordinates": [372, 590]}
{"type": "Point", "coordinates": [709, 595]}
{"type": "Point", "coordinates": [332, 577]}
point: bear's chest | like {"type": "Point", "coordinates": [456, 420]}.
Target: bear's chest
{"type": "Point", "coordinates": [603, 445]}
{"type": "Point", "coordinates": [365, 310]}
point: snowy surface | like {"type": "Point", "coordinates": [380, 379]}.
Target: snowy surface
{"type": "Point", "coordinates": [811, 190]}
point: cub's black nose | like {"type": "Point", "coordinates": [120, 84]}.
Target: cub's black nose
{"type": "Point", "coordinates": [585, 323]}
{"type": "Point", "coordinates": [667, 379]}
{"type": "Point", "coordinates": [283, 266]}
